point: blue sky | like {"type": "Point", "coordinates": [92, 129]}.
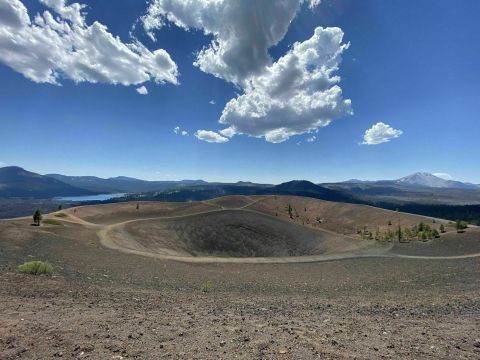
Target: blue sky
{"type": "Point", "coordinates": [412, 65]}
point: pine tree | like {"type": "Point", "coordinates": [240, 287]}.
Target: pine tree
{"type": "Point", "coordinates": [290, 209]}
{"type": "Point", "coordinates": [37, 217]}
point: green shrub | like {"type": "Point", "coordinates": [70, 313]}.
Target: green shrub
{"type": "Point", "coordinates": [61, 215]}
{"type": "Point", "coordinates": [461, 226]}
{"type": "Point", "coordinates": [36, 268]}
{"type": "Point", "coordinates": [206, 285]}
{"type": "Point", "coordinates": [51, 222]}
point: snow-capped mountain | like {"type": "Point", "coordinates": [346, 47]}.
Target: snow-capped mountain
{"type": "Point", "coordinates": [430, 180]}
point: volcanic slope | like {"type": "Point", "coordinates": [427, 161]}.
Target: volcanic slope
{"type": "Point", "coordinates": [108, 303]}
{"type": "Point", "coordinates": [255, 229]}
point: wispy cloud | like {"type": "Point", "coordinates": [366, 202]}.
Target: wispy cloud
{"type": "Point", "coordinates": [179, 131]}
{"type": "Point", "coordinates": [443, 175]}
{"type": "Point", "coordinates": [210, 136]}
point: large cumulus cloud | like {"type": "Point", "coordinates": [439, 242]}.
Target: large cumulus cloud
{"type": "Point", "coordinates": [242, 31]}
{"type": "Point", "coordinates": [297, 94]}
{"type": "Point", "coordinates": [48, 48]}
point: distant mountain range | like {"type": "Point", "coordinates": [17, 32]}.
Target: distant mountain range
{"type": "Point", "coordinates": [121, 184]}
{"type": "Point", "coordinates": [421, 188]}
{"type": "Point", "coordinates": [16, 182]}
{"type": "Point", "coordinates": [212, 190]}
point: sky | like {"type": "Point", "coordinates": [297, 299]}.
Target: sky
{"type": "Point", "coordinates": [241, 91]}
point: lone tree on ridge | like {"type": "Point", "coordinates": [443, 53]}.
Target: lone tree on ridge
{"type": "Point", "coordinates": [37, 217]}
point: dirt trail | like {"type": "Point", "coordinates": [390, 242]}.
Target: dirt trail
{"type": "Point", "coordinates": [107, 239]}
{"type": "Point", "coordinates": [70, 218]}
{"type": "Point", "coordinates": [369, 251]}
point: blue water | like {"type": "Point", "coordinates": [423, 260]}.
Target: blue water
{"type": "Point", "coordinates": [99, 197]}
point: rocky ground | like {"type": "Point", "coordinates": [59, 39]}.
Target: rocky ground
{"type": "Point", "coordinates": [58, 317]}
{"type": "Point", "coordinates": [105, 304]}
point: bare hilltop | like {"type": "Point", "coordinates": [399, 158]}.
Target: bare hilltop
{"type": "Point", "coordinates": [269, 277]}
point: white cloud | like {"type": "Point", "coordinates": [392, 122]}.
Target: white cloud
{"type": "Point", "coordinates": [228, 132]}
{"type": "Point", "coordinates": [178, 131]}
{"type": "Point", "coordinates": [313, 3]}
{"type": "Point", "coordinates": [48, 48]}
{"type": "Point", "coordinates": [210, 136]}
{"type": "Point", "coordinates": [380, 133]}
{"type": "Point", "coordinates": [297, 94]}
{"type": "Point", "coordinates": [71, 12]}
{"type": "Point", "coordinates": [242, 31]}
{"type": "Point", "coordinates": [311, 138]}
{"type": "Point", "coordinates": [142, 90]}
{"type": "Point", "coordinates": [443, 175]}
{"type": "Point", "coordinates": [212, 102]}
{"type": "Point", "coordinates": [2, 164]}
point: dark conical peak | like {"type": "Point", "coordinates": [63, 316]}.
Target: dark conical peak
{"type": "Point", "coordinates": [297, 185]}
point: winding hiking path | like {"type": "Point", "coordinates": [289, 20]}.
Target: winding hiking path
{"type": "Point", "coordinates": [369, 251]}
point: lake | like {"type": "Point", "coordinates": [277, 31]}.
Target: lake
{"type": "Point", "coordinates": [99, 197]}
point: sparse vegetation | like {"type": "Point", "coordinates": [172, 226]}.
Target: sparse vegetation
{"type": "Point", "coordinates": [461, 226]}
{"type": "Point", "coordinates": [190, 301]}
{"type": "Point", "coordinates": [36, 268]}
{"type": "Point", "coordinates": [206, 286]}
{"type": "Point", "coordinates": [52, 222]}
{"type": "Point", "coordinates": [37, 217]}
{"type": "Point", "coordinates": [421, 232]}
{"type": "Point", "coordinates": [61, 215]}
{"type": "Point", "coordinates": [290, 210]}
